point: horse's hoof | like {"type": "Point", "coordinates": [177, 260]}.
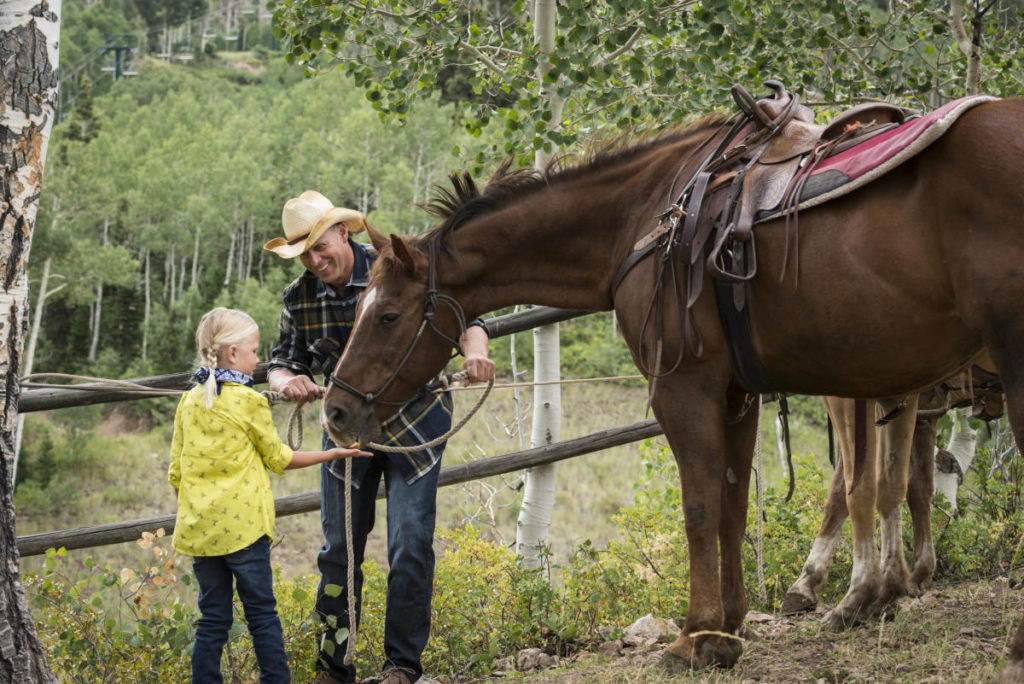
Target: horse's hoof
{"type": "Point", "coordinates": [795, 604]}
{"type": "Point", "coordinates": [721, 651]}
{"type": "Point", "coordinates": [714, 651]}
{"type": "Point", "coordinates": [918, 584]}
{"type": "Point", "coordinates": [838, 621]}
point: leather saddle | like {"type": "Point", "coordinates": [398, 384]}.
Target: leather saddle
{"type": "Point", "coordinates": [770, 172]}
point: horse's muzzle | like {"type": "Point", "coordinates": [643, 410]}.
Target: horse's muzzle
{"type": "Point", "coordinates": [349, 423]}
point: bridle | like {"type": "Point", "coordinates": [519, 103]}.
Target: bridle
{"type": "Point", "coordinates": [429, 309]}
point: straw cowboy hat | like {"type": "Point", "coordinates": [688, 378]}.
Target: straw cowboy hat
{"type": "Point", "coordinates": [305, 218]}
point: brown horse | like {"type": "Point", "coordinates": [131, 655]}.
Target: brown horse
{"type": "Point", "coordinates": [901, 284]}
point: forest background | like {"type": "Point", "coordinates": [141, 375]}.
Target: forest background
{"type": "Point", "coordinates": [162, 184]}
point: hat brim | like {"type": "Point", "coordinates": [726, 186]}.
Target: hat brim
{"type": "Point", "coordinates": [289, 249]}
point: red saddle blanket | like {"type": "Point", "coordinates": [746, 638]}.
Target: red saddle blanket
{"type": "Point", "coordinates": [859, 165]}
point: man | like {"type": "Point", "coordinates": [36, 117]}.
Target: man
{"type": "Point", "coordinates": [319, 308]}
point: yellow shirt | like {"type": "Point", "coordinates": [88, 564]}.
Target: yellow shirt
{"type": "Point", "coordinates": [219, 462]}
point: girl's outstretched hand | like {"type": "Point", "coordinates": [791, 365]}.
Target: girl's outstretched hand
{"type": "Point", "coordinates": [342, 452]}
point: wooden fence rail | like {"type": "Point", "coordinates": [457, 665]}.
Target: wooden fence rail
{"type": "Point", "coordinates": [115, 533]}
{"type": "Point", "coordinates": [46, 399]}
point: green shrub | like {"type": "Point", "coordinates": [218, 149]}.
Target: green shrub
{"type": "Point", "coordinates": [137, 624]}
{"type": "Point", "coordinates": [985, 538]}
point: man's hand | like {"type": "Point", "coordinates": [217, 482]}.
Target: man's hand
{"type": "Point", "coordinates": [298, 388]}
{"type": "Point", "coordinates": [478, 367]}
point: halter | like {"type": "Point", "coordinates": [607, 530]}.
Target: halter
{"type": "Point", "coordinates": [429, 309]}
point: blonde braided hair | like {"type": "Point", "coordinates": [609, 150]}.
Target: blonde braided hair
{"type": "Point", "coordinates": [219, 329]}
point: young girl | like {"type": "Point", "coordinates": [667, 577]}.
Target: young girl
{"type": "Point", "coordinates": [224, 443]}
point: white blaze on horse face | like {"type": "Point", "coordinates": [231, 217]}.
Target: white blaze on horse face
{"type": "Point", "coordinates": [368, 298]}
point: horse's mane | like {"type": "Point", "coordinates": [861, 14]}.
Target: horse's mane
{"type": "Point", "coordinates": [464, 201]}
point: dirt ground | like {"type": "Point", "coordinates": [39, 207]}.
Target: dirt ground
{"type": "Point", "coordinates": [955, 633]}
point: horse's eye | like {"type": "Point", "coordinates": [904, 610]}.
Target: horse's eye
{"type": "Point", "coordinates": [388, 318]}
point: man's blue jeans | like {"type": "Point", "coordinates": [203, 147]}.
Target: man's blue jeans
{"type": "Point", "coordinates": [411, 511]}
{"type": "Point", "coordinates": [250, 568]}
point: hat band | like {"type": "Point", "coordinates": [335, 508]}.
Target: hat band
{"type": "Point", "coordinates": [295, 241]}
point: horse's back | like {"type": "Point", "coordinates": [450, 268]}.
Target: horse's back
{"type": "Point", "coordinates": [895, 285]}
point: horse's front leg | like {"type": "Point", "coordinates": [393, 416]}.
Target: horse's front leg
{"type": "Point", "coordinates": [860, 501]}
{"type": "Point", "coordinates": [740, 439]}
{"type": "Point", "coordinates": [691, 410]}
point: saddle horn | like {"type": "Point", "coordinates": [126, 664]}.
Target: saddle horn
{"type": "Point", "coordinates": [780, 90]}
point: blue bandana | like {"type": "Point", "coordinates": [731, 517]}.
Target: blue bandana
{"type": "Point", "coordinates": [222, 375]}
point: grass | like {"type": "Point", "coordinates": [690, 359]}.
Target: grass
{"type": "Point", "coordinates": [956, 633]}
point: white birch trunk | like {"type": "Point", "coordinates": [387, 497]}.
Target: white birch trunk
{"type": "Point", "coordinates": [780, 442]}
{"type": "Point", "coordinates": [29, 40]}
{"type": "Point", "coordinates": [963, 443]}
{"type": "Point", "coordinates": [231, 260]}
{"type": "Point", "coordinates": [539, 494]}
{"type": "Point", "coordinates": [30, 353]}
{"type": "Point", "coordinates": [97, 318]}
{"type": "Point", "coordinates": [195, 260]}
{"type": "Point", "coordinates": [181, 274]}
{"type": "Point", "coordinates": [969, 45]}
{"type": "Point", "coordinates": [169, 266]}
{"type": "Point", "coordinates": [145, 313]}
{"type": "Point", "coordinates": [250, 238]}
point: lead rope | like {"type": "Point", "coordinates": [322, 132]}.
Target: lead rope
{"type": "Point", "coordinates": [350, 644]}
{"type": "Point", "coordinates": [295, 419]}
{"type": "Point", "coordinates": [461, 375]}
{"type": "Point", "coordinates": [762, 592]}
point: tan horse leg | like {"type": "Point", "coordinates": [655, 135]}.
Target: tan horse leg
{"type": "Point", "coordinates": [699, 444]}
{"type": "Point", "coordinates": [803, 595]}
{"type": "Point", "coordinates": [920, 483]}
{"type": "Point", "coordinates": [867, 574]}
{"type": "Point", "coordinates": [893, 459]}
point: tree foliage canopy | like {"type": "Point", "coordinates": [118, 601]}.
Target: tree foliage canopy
{"type": "Point", "coordinates": [649, 63]}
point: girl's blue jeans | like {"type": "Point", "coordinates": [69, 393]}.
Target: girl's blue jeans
{"type": "Point", "coordinates": [249, 569]}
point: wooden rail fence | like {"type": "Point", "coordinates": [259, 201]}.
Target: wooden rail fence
{"type": "Point", "coordinates": [115, 533]}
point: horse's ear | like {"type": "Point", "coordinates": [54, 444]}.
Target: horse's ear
{"type": "Point", "coordinates": [403, 252]}
{"type": "Point", "coordinates": [377, 239]}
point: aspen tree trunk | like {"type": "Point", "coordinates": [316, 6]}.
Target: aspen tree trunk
{"type": "Point", "coordinates": [97, 319]}
{"type": "Point", "coordinates": [539, 493]}
{"type": "Point", "coordinates": [969, 44]}
{"type": "Point", "coordinates": [146, 310]}
{"type": "Point", "coordinates": [963, 442]}
{"type": "Point", "coordinates": [169, 278]}
{"type": "Point", "coordinates": [231, 260]}
{"type": "Point", "coordinates": [28, 361]}
{"type": "Point", "coordinates": [29, 39]}
{"type": "Point", "coordinates": [181, 273]}
{"type": "Point", "coordinates": [195, 260]}
{"type": "Point", "coordinates": [250, 235]}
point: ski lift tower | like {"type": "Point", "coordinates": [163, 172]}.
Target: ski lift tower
{"type": "Point", "coordinates": [120, 53]}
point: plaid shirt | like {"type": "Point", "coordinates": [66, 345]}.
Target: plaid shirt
{"type": "Point", "coordinates": [315, 326]}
